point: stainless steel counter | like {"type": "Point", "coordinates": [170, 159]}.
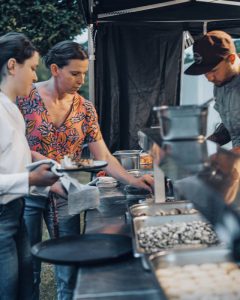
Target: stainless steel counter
{"type": "Point", "coordinates": [122, 280]}
{"type": "Point", "coordinates": [204, 180]}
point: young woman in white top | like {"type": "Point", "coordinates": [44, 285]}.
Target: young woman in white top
{"type": "Point", "coordinates": [18, 63]}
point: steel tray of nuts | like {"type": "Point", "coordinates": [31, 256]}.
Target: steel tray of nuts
{"type": "Point", "coordinates": [154, 234]}
{"type": "Point", "coordinates": [162, 209]}
{"type": "Point", "coordinates": [196, 274]}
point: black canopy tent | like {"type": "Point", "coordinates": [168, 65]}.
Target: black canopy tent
{"type": "Point", "coordinates": [160, 10]}
{"type": "Point", "coordinates": [136, 56]}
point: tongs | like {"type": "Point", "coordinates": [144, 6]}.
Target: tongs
{"type": "Point", "coordinates": [206, 104]}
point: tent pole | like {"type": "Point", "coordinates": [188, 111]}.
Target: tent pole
{"type": "Point", "coordinates": [91, 71]}
{"type": "Point", "coordinates": [182, 68]}
{"type": "Point", "coordinates": [205, 28]}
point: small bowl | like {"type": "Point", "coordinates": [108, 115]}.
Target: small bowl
{"type": "Point", "coordinates": [106, 182]}
{"type": "Point", "coordinates": [136, 173]}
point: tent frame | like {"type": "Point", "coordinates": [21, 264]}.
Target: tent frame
{"type": "Point", "coordinates": [163, 4]}
{"type": "Point", "coordinates": [102, 16]}
{"type": "Point", "coordinates": [141, 8]}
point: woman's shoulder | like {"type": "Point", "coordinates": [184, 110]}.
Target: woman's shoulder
{"type": "Point", "coordinates": [84, 103]}
{"type": "Point", "coordinates": [21, 100]}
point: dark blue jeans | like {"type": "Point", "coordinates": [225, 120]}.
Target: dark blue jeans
{"type": "Point", "coordinates": [16, 274]}
{"type": "Point", "coordinates": [35, 211]}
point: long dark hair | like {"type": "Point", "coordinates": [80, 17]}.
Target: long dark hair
{"type": "Point", "coordinates": [15, 45]}
{"type": "Point", "coordinates": [62, 52]}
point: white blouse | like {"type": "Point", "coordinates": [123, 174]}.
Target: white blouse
{"type": "Point", "coordinates": [15, 153]}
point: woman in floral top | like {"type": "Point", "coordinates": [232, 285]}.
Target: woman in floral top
{"type": "Point", "coordinates": [79, 126]}
{"type": "Point", "coordinates": [59, 121]}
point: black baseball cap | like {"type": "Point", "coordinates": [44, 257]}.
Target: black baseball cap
{"type": "Point", "coordinates": [209, 51]}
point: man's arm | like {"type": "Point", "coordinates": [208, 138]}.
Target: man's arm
{"type": "Point", "coordinates": [220, 136]}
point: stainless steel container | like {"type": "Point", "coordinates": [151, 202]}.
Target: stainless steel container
{"type": "Point", "coordinates": [190, 260]}
{"type": "Point", "coordinates": [192, 155]}
{"type": "Point", "coordinates": [146, 221]}
{"type": "Point", "coordinates": [129, 159]}
{"type": "Point", "coordinates": [153, 209]}
{"type": "Point", "coordinates": [188, 257]}
{"type": "Point", "coordinates": [182, 122]}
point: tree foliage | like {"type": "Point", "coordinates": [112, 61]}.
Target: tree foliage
{"type": "Point", "coordinates": [44, 22]}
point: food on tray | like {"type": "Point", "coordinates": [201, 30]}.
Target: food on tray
{"type": "Point", "coordinates": [85, 162]}
{"type": "Point", "coordinates": [145, 159]}
{"type": "Point", "coordinates": [169, 235]}
{"type": "Point", "coordinates": [67, 162]}
{"type": "Point", "coordinates": [174, 211]}
{"type": "Point", "coordinates": [215, 281]}
{"type": "Point", "coordinates": [101, 173]}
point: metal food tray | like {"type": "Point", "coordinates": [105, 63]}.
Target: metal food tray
{"type": "Point", "coordinates": [214, 254]}
{"type": "Point", "coordinates": [158, 261]}
{"type": "Point", "coordinates": [142, 222]}
{"type": "Point", "coordinates": [135, 202]}
{"type": "Point", "coordinates": [150, 209]}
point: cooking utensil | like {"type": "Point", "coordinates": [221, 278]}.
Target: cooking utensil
{"type": "Point", "coordinates": [129, 159]}
{"type": "Point", "coordinates": [85, 249]}
{"type": "Point", "coordinates": [149, 221]}
{"type": "Point", "coordinates": [182, 122]}
{"type": "Point", "coordinates": [206, 103]}
{"type": "Point", "coordinates": [188, 260]}
{"type": "Point", "coordinates": [152, 209]}
{"type": "Point", "coordinates": [196, 256]}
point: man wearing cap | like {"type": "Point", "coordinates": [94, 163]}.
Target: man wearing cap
{"type": "Point", "coordinates": [215, 56]}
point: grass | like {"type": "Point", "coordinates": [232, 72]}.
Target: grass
{"type": "Point", "coordinates": [47, 287]}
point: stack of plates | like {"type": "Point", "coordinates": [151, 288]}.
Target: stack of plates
{"type": "Point", "coordinates": [106, 182]}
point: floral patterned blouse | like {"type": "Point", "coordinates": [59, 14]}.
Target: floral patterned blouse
{"type": "Point", "coordinates": [80, 127]}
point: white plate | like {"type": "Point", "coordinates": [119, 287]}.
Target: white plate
{"type": "Point", "coordinates": [97, 164]}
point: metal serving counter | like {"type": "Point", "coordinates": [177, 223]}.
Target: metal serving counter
{"type": "Point", "coordinates": [122, 280]}
{"type": "Point", "coordinates": [203, 173]}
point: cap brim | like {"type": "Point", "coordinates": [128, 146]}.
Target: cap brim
{"type": "Point", "coordinates": [199, 69]}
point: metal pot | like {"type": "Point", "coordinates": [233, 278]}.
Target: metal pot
{"type": "Point", "coordinates": [129, 159]}
{"type": "Point", "coordinates": [182, 122]}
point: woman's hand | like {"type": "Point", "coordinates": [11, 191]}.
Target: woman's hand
{"type": "Point", "coordinates": [144, 182]}
{"type": "Point", "coordinates": [58, 189]}
{"type": "Point", "coordinates": [42, 176]}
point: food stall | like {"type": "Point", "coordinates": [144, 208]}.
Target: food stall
{"type": "Point", "coordinates": [136, 276]}
{"type": "Point", "coordinates": [183, 240]}
{"type": "Point", "coordinates": [135, 248]}
{"type": "Point", "coordinates": [136, 63]}
{"type": "Point", "coordinates": [195, 236]}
